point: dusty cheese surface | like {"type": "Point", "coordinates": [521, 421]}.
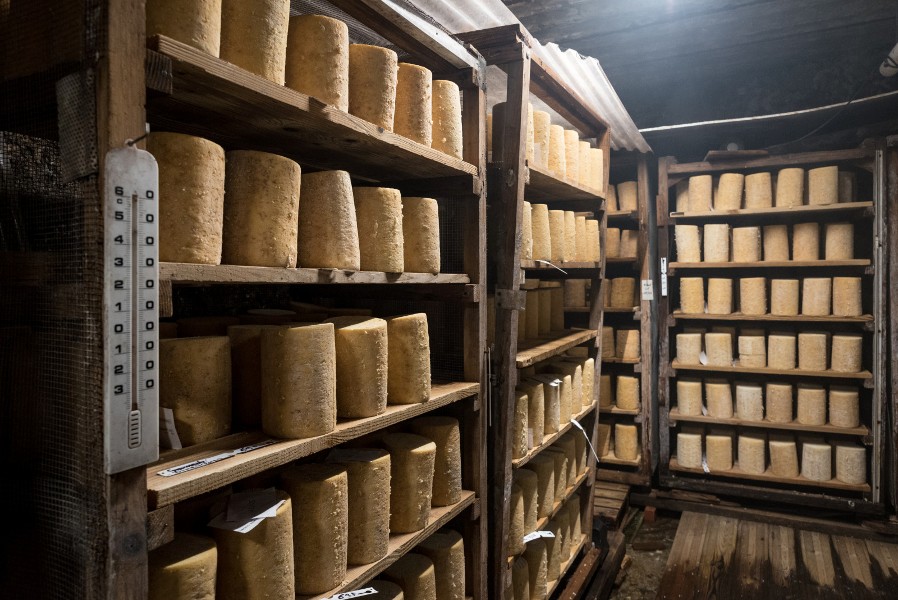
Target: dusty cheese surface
{"type": "Point", "coordinates": [778, 402]}
{"type": "Point", "coordinates": [593, 241]}
{"type": "Point", "coordinates": [541, 124]}
{"type": "Point", "coordinates": [627, 392]}
{"type": "Point", "coordinates": [806, 241]}
{"type": "Point", "coordinates": [609, 342]}
{"type": "Point", "coordinates": [629, 243]}
{"type": "Point", "coordinates": [753, 295]}
{"type": "Point", "coordinates": [556, 296]}
{"type": "Point", "coordinates": [408, 379]}
{"type": "Point", "coordinates": [752, 351]}
{"type": "Point", "coordinates": [538, 567]}
{"type": "Point", "coordinates": [847, 301]}
{"type": "Point", "coordinates": [823, 185]}
{"type": "Point", "coordinates": [603, 439]}
{"type": "Point", "coordinates": [196, 23]}
{"type": "Point", "coordinates": [421, 235]}
{"type": "Point", "coordinates": [816, 296]}
{"type": "Point", "coordinates": [552, 407]}
{"type": "Point", "coordinates": [816, 460]}
{"type": "Point", "coordinates": [529, 147]}
{"type": "Point", "coordinates": [570, 236]}
{"type": "Point", "coordinates": [719, 348]}
{"type": "Point", "coordinates": [851, 463]}
{"type": "Point", "coordinates": [719, 452]}
{"type": "Point", "coordinates": [585, 175]}
{"type": "Point", "coordinates": [847, 352]}
{"type": "Point", "coordinates": [626, 442]}
{"type": "Point", "coordinates": [689, 397]}
{"type": "Point", "coordinates": [689, 347]}
{"type": "Point", "coordinates": [720, 296]}
{"type": "Point", "coordinates": [519, 446]}
{"type": "Point", "coordinates": [559, 457]}
{"type": "Point", "coordinates": [611, 198]}
{"type": "Point", "coordinates": [527, 232]}
{"type": "Point", "coordinates": [812, 350]}
{"type": "Point", "coordinates": [186, 567]}
{"type": "Point", "coordinates": [700, 193]}
{"type": "Point", "coordinates": [520, 580]}
{"type": "Point", "coordinates": [783, 458]}
{"type": "Point", "coordinates": [784, 297]}
{"type": "Point", "coordinates": [444, 432]}
{"type": "Point", "coordinates": [544, 467]}
{"type": "Point", "coordinates": [385, 590]}
{"type": "Point", "coordinates": [254, 36]}
{"type": "Point", "coordinates": [446, 549]}
{"type": "Point", "coordinates": [729, 192]}
{"type": "Point", "coordinates": [318, 59]}
{"type": "Point", "coordinates": [446, 116]}
{"type": "Point", "coordinates": [527, 481]}
{"type": "Point", "coordinates": [688, 243]}
{"type": "Point", "coordinates": [373, 76]}
{"type": "Point", "coordinates": [781, 351]}
{"type": "Point", "coordinates": [582, 254]}
{"type": "Point", "coordinates": [613, 242]}
{"type": "Point", "coordinates": [415, 574]}
{"type": "Point", "coordinates": [844, 410]}
{"type": "Point", "coordinates": [328, 230]}
{"type": "Point", "coordinates": [412, 460]}
{"type": "Point", "coordinates": [545, 311]}
{"type": "Point", "coordinates": [541, 236]}
{"type": "Point", "coordinates": [839, 244]}
{"type": "Point", "coordinates": [623, 292]}
{"type": "Point", "coordinates": [751, 453]}
{"type": "Point", "coordinates": [758, 190]}
{"type": "Point", "coordinates": [776, 242]}
{"type": "Point", "coordinates": [749, 401]}
{"type": "Point", "coordinates": [557, 158]}
{"type": "Point", "coordinates": [606, 398]}
{"type": "Point", "coordinates": [557, 235]}
{"type": "Point", "coordinates": [681, 196]}
{"type": "Point", "coordinates": [571, 155]}
{"type": "Point", "coordinates": [790, 187]}
{"type": "Point", "coordinates": [692, 295]}
{"type": "Point", "coordinates": [414, 100]}
{"type": "Point", "coordinates": [716, 242]}
{"type": "Point", "coordinates": [596, 169]}
{"type": "Point", "coordinates": [811, 403]}
{"type": "Point", "coordinates": [361, 349]}
{"type": "Point", "coordinates": [627, 344]}
{"type": "Point", "coordinates": [746, 244]}
{"type": "Point", "coordinates": [379, 217]}
{"type": "Point", "coordinates": [689, 450]}
{"type": "Point", "coordinates": [719, 396]}
{"type": "Point", "coordinates": [627, 196]}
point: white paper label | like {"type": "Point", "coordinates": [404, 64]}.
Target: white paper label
{"type": "Point", "coordinates": [538, 534]}
{"type": "Point", "coordinates": [203, 462]}
{"type": "Point", "coordinates": [664, 285]}
{"type": "Point", "coordinates": [354, 594]}
{"type": "Point", "coordinates": [648, 289]}
{"type": "Point", "coordinates": [168, 435]}
{"type": "Point", "coordinates": [247, 509]}
{"type": "Point", "coordinates": [703, 358]}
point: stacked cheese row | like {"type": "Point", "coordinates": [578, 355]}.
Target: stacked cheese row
{"type": "Point", "coordinates": [624, 394]}
{"type": "Point", "coordinates": [547, 397]}
{"type": "Point", "coordinates": [543, 312]}
{"type": "Point", "coordinates": [774, 402]}
{"type": "Point", "coordinates": [312, 55]}
{"type": "Point", "coordinates": [777, 454]}
{"type": "Point", "coordinates": [621, 243]}
{"type": "Point", "coordinates": [620, 343]}
{"type": "Point", "coordinates": [243, 208]}
{"type": "Point", "coordinates": [811, 296]}
{"type": "Point", "coordinates": [336, 513]}
{"type": "Point", "coordinates": [793, 187]}
{"type": "Point", "coordinates": [294, 379]}
{"type": "Point", "coordinates": [558, 235]}
{"type": "Point", "coordinates": [620, 292]}
{"type": "Point", "coordinates": [619, 441]}
{"type": "Point", "coordinates": [805, 351]}
{"type": "Point", "coordinates": [719, 242]}
{"type": "Point", "coordinates": [622, 197]}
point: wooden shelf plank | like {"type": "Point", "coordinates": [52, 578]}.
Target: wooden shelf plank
{"type": "Point", "coordinates": [575, 554]}
{"type": "Point", "coordinates": [616, 216]}
{"type": "Point", "coordinates": [768, 371]}
{"type": "Point", "coordinates": [621, 361]}
{"type": "Point", "coordinates": [576, 309]}
{"type": "Point", "coordinates": [551, 438]}
{"type": "Point", "coordinates": [162, 491]}
{"type": "Point", "coordinates": [532, 265]}
{"type": "Point", "coordinates": [846, 210]}
{"type": "Point", "coordinates": [680, 316]}
{"type": "Point", "coordinates": [614, 410]}
{"type": "Point", "coordinates": [736, 473]}
{"type": "Point", "coordinates": [188, 273]}
{"type": "Point", "coordinates": [399, 545]}
{"type": "Point", "coordinates": [545, 187]}
{"type": "Point", "coordinates": [231, 106]}
{"type": "Point", "coordinates": [674, 416]}
{"type": "Point", "coordinates": [609, 309]}
{"type": "Point", "coordinates": [610, 459]}
{"type": "Point", "coordinates": [544, 521]}
{"type": "Point", "coordinates": [802, 159]}
{"type": "Point", "coordinates": [620, 260]}
{"type": "Point", "coordinates": [772, 265]}
{"type": "Point", "coordinates": [534, 351]}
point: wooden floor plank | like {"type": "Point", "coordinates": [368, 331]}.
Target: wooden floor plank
{"type": "Point", "coordinates": [817, 558]}
{"type": "Point", "coordinates": [855, 559]}
{"type": "Point", "coordinates": [681, 584]}
{"type": "Point", "coordinates": [783, 562]}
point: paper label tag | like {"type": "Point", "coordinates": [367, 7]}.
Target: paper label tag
{"type": "Point", "coordinates": [538, 534]}
{"type": "Point", "coordinates": [354, 594]}
{"type": "Point", "coordinates": [705, 463]}
{"type": "Point", "coordinates": [703, 358]}
{"type": "Point", "coordinates": [168, 435]}
{"type": "Point", "coordinates": [198, 464]}
{"type": "Point", "coordinates": [648, 289]}
{"type": "Point", "coordinates": [247, 509]}
{"type": "Point", "coordinates": [664, 285]}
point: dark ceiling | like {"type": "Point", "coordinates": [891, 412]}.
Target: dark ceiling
{"type": "Point", "coordinates": [683, 61]}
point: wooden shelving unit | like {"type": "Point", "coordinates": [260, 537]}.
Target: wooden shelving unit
{"type": "Point", "coordinates": [867, 214]}
{"type": "Point", "coordinates": [509, 49]}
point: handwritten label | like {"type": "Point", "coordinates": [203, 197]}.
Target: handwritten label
{"type": "Point", "coordinates": [354, 594]}
{"type": "Point", "coordinates": [203, 462]}
{"type": "Point", "coordinates": [247, 509]}
{"type": "Point", "coordinates": [538, 534]}
{"type": "Point", "coordinates": [648, 289]}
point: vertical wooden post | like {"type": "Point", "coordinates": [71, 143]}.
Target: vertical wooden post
{"type": "Point", "coordinates": [890, 207]}
{"type": "Point", "coordinates": [647, 324]}
{"type": "Point", "coordinates": [662, 216]}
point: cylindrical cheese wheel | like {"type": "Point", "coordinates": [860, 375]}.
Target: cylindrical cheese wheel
{"type": "Point", "coordinates": [585, 178]}
{"type": "Point", "coordinates": [531, 320]}
{"type": "Point", "coordinates": [746, 244]}
{"type": "Point", "coordinates": [528, 482]}
{"type": "Point", "coordinates": [411, 480]}
{"type": "Point", "coordinates": [851, 463]}
{"type": "Point", "coordinates": [681, 191]}
{"type": "Point", "coordinates": [692, 295]}
{"type": "Point", "coordinates": [603, 439]}
{"type": "Point", "coordinates": [319, 61]}
{"type": "Point", "coordinates": [847, 297]}
{"type": "Point", "coordinates": [581, 240]}
{"type": "Point", "coordinates": [541, 123]}
{"type": "Point", "coordinates": [816, 461]}
{"type": "Point", "coordinates": [527, 232]}
{"type": "Point", "coordinates": [758, 191]}
{"type": "Point", "coordinates": [570, 235]}
{"type": "Point", "coordinates": [779, 402]}
{"type": "Point", "coordinates": [689, 348]}
{"type": "Point", "coordinates": [557, 158]}
{"type": "Point", "coordinates": [784, 297]}
{"type": "Point", "coordinates": [719, 452]}
{"type": "Point", "coordinates": [689, 397]}
{"type": "Point", "coordinates": [408, 361]}
{"type": "Point", "coordinates": [749, 402]}
{"type": "Point", "coordinates": [299, 381]}
{"type": "Point", "coordinates": [811, 404]}
{"type": "Point", "coordinates": [783, 458]}
{"type": "Point", "coordinates": [520, 580]}
{"type": "Point", "coordinates": [689, 450]}
{"type": "Point", "coordinates": [751, 453]}
{"type": "Point", "coordinates": [384, 590]}
{"type": "Point", "coordinates": [446, 549]}
{"type": "Point", "coordinates": [613, 242]}
{"type": "Point", "coordinates": [254, 36]}
{"type": "Point", "coordinates": [557, 235]}
{"type": "Point", "coordinates": [606, 399]}
{"type": "Point", "coordinates": [790, 187]}
{"type": "Point", "coordinates": [627, 392]}
{"type": "Point", "coordinates": [823, 185]}
{"type": "Point", "coordinates": [205, 326]}
{"type": "Point", "coordinates": [373, 75]}
{"type": "Point", "coordinates": [565, 395]}
{"type": "Point", "coordinates": [847, 186]}
{"type": "Point", "coordinates": [608, 342]}
{"type": "Point", "coordinates": [575, 372]}
{"type": "Point", "coordinates": [719, 349]}
{"type": "Point", "coordinates": [611, 198]}
{"type": "Point", "coordinates": [421, 235]}
{"type": "Point", "coordinates": [414, 100]}
{"type": "Point", "coordinates": [806, 241]}
{"type": "Point", "coordinates": [446, 115]}
{"type": "Point", "coordinates": [629, 243]}
{"type": "Point", "coordinates": [552, 410]}
{"type": "Point", "coordinates": [575, 292]}
{"type": "Point", "coordinates": [812, 351]}
{"type": "Point", "coordinates": [195, 383]}
{"type": "Point", "coordinates": [516, 530]}
{"type": "Point", "coordinates": [571, 155]}
{"type": "Point", "coordinates": [716, 242]}
{"type": "Point", "coordinates": [776, 242]}
{"type": "Point", "coordinates": [752, 351]}
{"type": "Point", "coordinates": [589, 375]}
{"type": "Point", "coordinates": [844, 408]}
{"type": "Point", "coordinates": [519, 445]}
{"type": "Point", "coordinates": [700, 193]}
{"type": "Point", "coordinates": [319, 494]}
{"type": "Point", "coordinates": [753, 295]}
{"type": "Point", "coordinates": [596, 168]}
{"type": "Point", "coordinates": [627, 346]}
{"type": "Point", "coordinates": [183, 568]}
{"type": "Point", "coordinates": [545, 311]}
{"type": "Point", "coordinates": [246, 373]}
{"type": "Point", "coordinates": [561, 469]}
{"type": "Point", "coordinates": [626, 195]}
{"type": "Point", "coordinates": [720, 296]}
{"type": "Point", "coordinates": [328, 233]}
{"type": "Point", "coordinates": [191, 197]}
{"type": "Point", "coordinates": [781, 350]}
{"type": "Point", "coordinates": [415, 574]}
{"type": "Point", "coordinates": [196, 23]}
{"type": "Point", "coordinates": [536, 406]}
{"type": "Point", "coordinates": [839, 243]}
{"type": "Point", "coordinates": [847, 353]}
{"type": "Point", "coordinates": [538, 565]}
{"type": "Point", "coordinates": [544, 467]}
{"type": "Point", "coordinates": [529, 147]}
{"type": "Point", "coordinates": [720, 399]}
{"type": "Point", "coordinates": [816, 294]}
{"type": "Point", "coordinates": [556, 296]}
{"type": "Point", "coordinates": [444, 432]}
{"type": "Point", "coordinates": [623, 292]}
{"type": "Point", "coordinates": [729, 192]}
{"type": "Point", "coordinates": [542, 238]}
{"type": "Point", "coordinates": [379, 217]}
{"type": "Point", "coordinates": [626, 444]}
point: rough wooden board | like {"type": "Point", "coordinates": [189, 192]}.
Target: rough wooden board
{"type": "Point", "coordinates": [847, 210]}
{"type": "Point", "coordinates": [543, 522]}
{"type": "Point", "coordinates": [576, 587]}
{"type": "Point", "coordinates": [610, 502]}
{"type": "Point", "coordinates": [534, 351]}
{"type": "Point", "coordinates": [768, 371]}
{"type": "Point", "coordinates": [675, 416]}
{"type": "Point", "coordinates": [601, 585]}
{"type": "Point", "coordinates": [160, 526]}
{"type": "Point", "coordinates": [544, 187]}
{"type": "Point", "coordinates": [680, 316]}
{"type": "Point", "coordinates": [610, 459]}
{"type": "Point", "coordinates": [575, 554]}
{"type": "Point", "coordinates": [771, 265]}
{"type": "Point", "coordinates": [614, 410]}
{"type": "Point", "coordinates": [805, 159]}
{"type": "Point", "coordinates": [188, 273]}
{"type": "Point", "coordinates": [736, 473]}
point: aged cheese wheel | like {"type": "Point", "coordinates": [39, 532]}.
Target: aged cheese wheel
{"type": "Point", "coordinates": [689, 450]}
{"type": "Point", "coordinates": [527, 481]}
{"type": "Point", "coordinates": [529, 147]}
{"type": "Point", "coordinates": [729, 192]}
{"type": "Point", "coordinates": [519, 443]}
{"type": "Point", "coordinates": [823, 185]}
{"type": "Point", "coordinates": [692, 295]}
{"type": "Point", "coordinates": [516, 529]}
{"type": "Point", "coordinates": [411, 480]}
{"type": "Point", "coordinates": [720, 296]}
{"type": "Point", "coordinates": [719, 453]}
{"type": "Point", "coordinates": [408, 360]}
{"type": "Point", "coordinates": [628, 344]}
{"type": "Point", "coordinates": [205, 326]}
{"type": "Point", "coordinates": [689, 397]}
{"type": "Point", "coordinates": [246, 373]}
{"type": "Point", "coordinates": [552, 396]}
{"type": "Point", "coordinates": [585, 178]}
{"type": "Point", "coordinates": [608, 342]}
{"type": "Point", "coordinates": [784, 297]}
{"type": "Point", "coordinates": [681, 191]}
{"type": "Point", "coordinates": [520, 579]}
{"type": "Point", "coordinates": [444, 432]}
{"type": "Point", "coordinates": [526, 232]}
{"type": "Point", "coordinates": [545, 312]}
{"type": "Point", "coordinates": [611, 198]}
{"type": "Point", "coordinates": [571, 155]}
{"type": "Point", "coordinates": [783, 457]}
{"type": "Point", "coordinates": [776, 242]}
{"type": "Point", "coordinates": [839, 243]}
{"type": "Point", "coordinates": [541, 236]}
{"type": "Point", "coordinates": [299, 381]}
{"type": "Point", "coordinates": [749, 402]}
{"type": "Point", "coordinates": [575, 292]}
{"type": "Point", "coordinates": [812, 351]}
{"type": "Point", "coordinates": [596, 168]}
{"type": "Point", "coordinates": [851, 463]}
{"type": "Point", "coordinates": [626, 446]}
{"type": "Point", "coordinates": [581, 240]}
{"type": "Point", "coordinates": [538, 565]}
{"type": "Point", "coordinates": [544, 467]}
{"type": "Point", "coordinates": [689, 347]}
{"type": "Point", "coordinates": [603, 439]}
{"type": "Point", "coordinates": [254, 36]}
{"type": "Point", "coordinates": [183, 568]}
{"type": "Point", "coordinates": [191, 203]}
{"type": "Point", "coordinates": [319, 494]}
{"type": "Point", "coordinates": [606, 398]}
{"type": "Point", "coordinates": [816, 461]}
{"type": "Point", "coordinates": [790, 187]}
{"type": "Point", "coordinates": [574, 370]}
{"type": "Point", "coordinates": [565, 397]}
{"type": "Point", "coordinates": [720, 398]}
{"type": "Point", "coordinates": [846, 353]}
{"type": "Point", "coordinates": [623, 292]}
{"type": "Point", "coordinates": [414, 99]}
{"type": "Point", "coordinates": [806, 241]}
{"type": "Point", "coordinates": [384, 590]}
{"type": "Point", "coordinates": [751, 453]}
{"type": "Point", "coordinates": [843, 407]}
{"type": "Point", "coordinates": [373, 76]}
{"type": "Point", "coordinates": [556, 295]}
{"type": "Point", "coordinates": [629, 243]}
{"type": "Point", "coordinates": [847, 186]}
{"type": "Point", "coordinates": [570, 235]}
{"type": "Point", "coordinates": [700, 193]}
{"type": "Point", "coordinates": [446, 116]}
{"type": "Point", "coordinates": [446, 549]}
{"type": "Point", "coordinates": [589, 377]}
{"type": "Point", "coordinates": [415, 574]}
{"type": "Point", "coordinates": [626, 195]}
{"type": "Point", "coordinates": [811, 404]}
{"type": "Point", "coordinates": [816, 295]}
{"type": "Point", "coordinates": [627, 392]}
{"type": "Point", "coordinates": [758, 191]}
{"type": "Point", "coordinates": [195, 382]}
{"type": "Point", "coordinates": [379, 217]}
{"type": "Point", "coordinates": [847, 297]}
{"type": "Point", "coordinates": [531, 320]}
{"type": "Point", "coordinates": [746, 244]}
{"type": "Point", "coordinates": [557, 158]}
{"type": "Point", "coordinates": [561, 469]}
{"type": "Point", "coordinates": [719, 349]}
{"type": "Point", "coordinates": [328, 231]}
{"type": "Point", "coordinates": [613, 242]}
{"type": "Point", "coordinates": [535, 411]}
{"type": "Point", "coordinates": [779, 402]}
{"type": "Point", "coordinates": [196, 23]}
{"type": "Point", "coordinates": [688, 243]}
{"type": "Point", "coordinates": [564, 528]}
{"type": "Point", "coordinates": [753, 295]}
{"type": "Point", "coordinates": [752, 351]}
{"type": "Point", "coordinates": [557, 235]}
{"type": "Point", "coordinates": [576, 518]}
{"type": "Point", "coordinates": [420, 235]}
{"type": "Point", "coordinates": [781, 351]}
{"type": "Point", "coordinates": [716, 242]}
{"type": "Point", "coordinates": [319, 61]}
{"type": "Point", "coordinates": [541, 124]}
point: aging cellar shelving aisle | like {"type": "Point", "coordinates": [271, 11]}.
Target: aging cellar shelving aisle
{"type": "Point", "coordinates": [772, 351]}
{"type": "Point", "coordinates": [529, 349]}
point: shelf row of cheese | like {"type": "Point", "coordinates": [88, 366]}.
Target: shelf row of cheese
{"type": "Point", "coordinates": [558, 235]}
